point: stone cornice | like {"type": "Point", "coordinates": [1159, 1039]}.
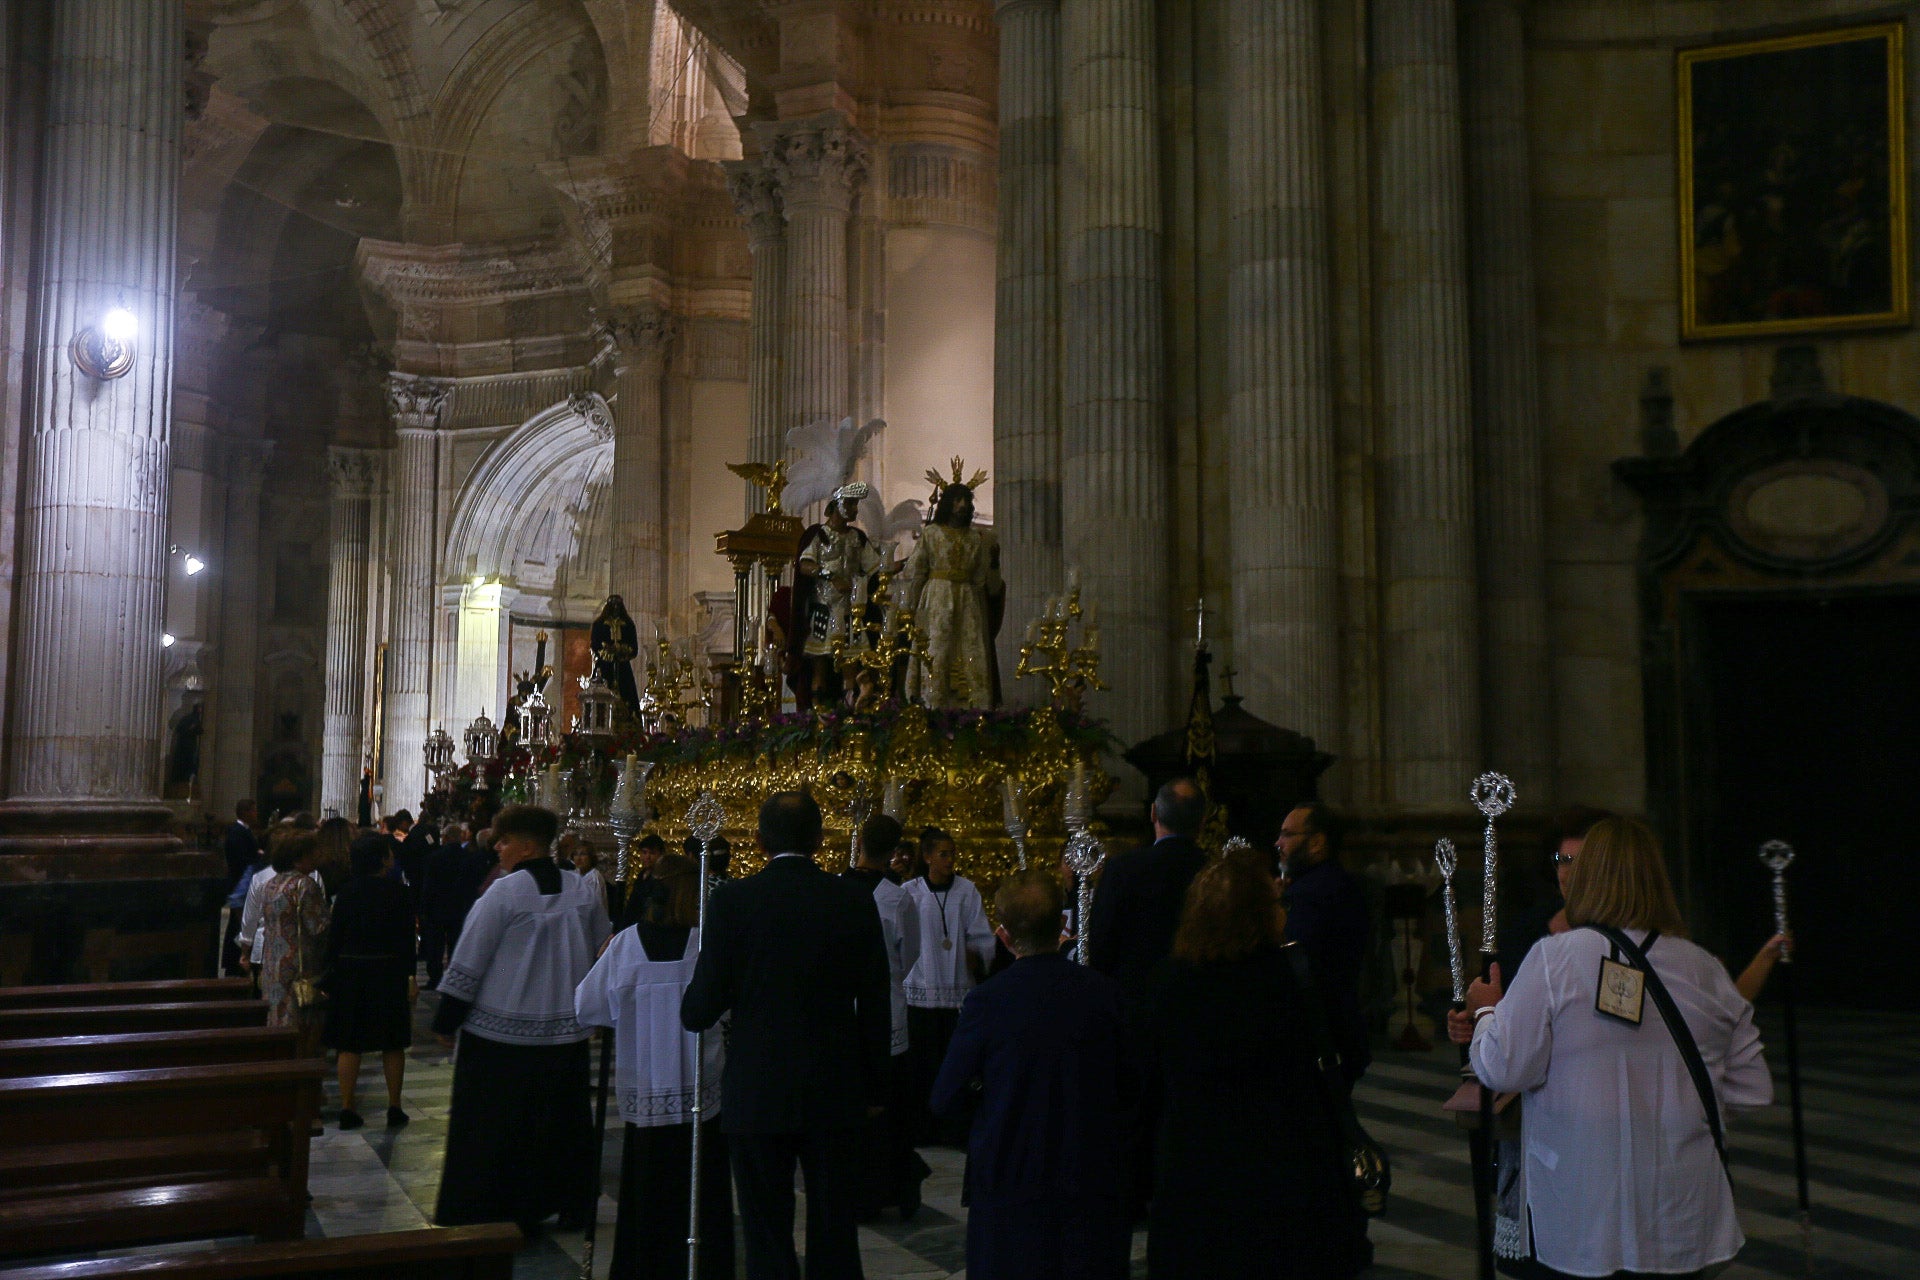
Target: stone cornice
{"type": "Point", "coordinates": [457, 275]}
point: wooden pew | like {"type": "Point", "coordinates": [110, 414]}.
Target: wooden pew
{"type": "Point", "coordinates": [107, 1158]}
{"type": "Point", "coordinates": [123, 1019]}
{"type": "Point", "coordinates": [437, 1253]}
{"type": "Point", "coordinates": [60, 1055]}
{"type": "Point", "coordinates": [73, 994]}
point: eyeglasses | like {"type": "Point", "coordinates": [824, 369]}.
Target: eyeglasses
{"type": "Point", "coordinates": [1563, 859]}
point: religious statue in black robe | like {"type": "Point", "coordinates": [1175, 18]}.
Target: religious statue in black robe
{"type": "Point", "coordinates": [615, 642]}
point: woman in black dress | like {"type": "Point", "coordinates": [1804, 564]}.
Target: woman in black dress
{"type": "Point", "coordinates": [371, 982]}
{"type": "Point", "coordinates": [1249, 1175]}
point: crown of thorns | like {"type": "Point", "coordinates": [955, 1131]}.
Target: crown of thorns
{"type": "Point", "coordinates": [941, 483]}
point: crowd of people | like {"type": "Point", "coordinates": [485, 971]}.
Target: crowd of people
{"type": "Point", "coordinates": [1192, 1074]}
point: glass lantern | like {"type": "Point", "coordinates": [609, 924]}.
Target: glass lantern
{"type": "Point", "coordinates": [437, 752]}
{"type": "Point", "coordinates": [596, 707]}
{"type": "Point", "coordinates": [536, 721]}
{"type": "Point", "coordinates": [482, 739]}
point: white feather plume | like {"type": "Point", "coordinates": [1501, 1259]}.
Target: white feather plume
{"type": "Point", "coordinates": [821, 456]}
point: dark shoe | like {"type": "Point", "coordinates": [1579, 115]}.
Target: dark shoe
{"type": "Point", "coordinates": [397, 1119]}
{"type": "Point", "coordinates": [350, 1120]}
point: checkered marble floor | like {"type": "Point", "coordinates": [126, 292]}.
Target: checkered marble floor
{"type": "Point", "coordinates": [1863, 1121]}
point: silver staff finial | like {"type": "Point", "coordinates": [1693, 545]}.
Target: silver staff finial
{"type": "Point", "coordinates": [1445, 857]}
{"type": "Point", "coordinates": [1492, 794]}
{"type": "Point", "coordinates": [1778, 856]}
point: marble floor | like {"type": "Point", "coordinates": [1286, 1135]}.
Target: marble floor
{"type": "Point", "coordinates": [1863, 1121]}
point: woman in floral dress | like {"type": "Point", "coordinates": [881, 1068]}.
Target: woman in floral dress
{"type": "Point", "coordinates": [294, 923]}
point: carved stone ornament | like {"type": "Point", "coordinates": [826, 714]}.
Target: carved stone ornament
{"type": "Point", "coordinates": [353, 473]}
{"type": "Point", "coordinates": [416, 402]}
{"type": "Point", "coordinates": [593, 410]}
{"type": "Point", "coordinates": [639, 334]}
{"type": "Point", "coordinates": [755, 189]}
{"type": "Point", "coordinates": [823, 160]}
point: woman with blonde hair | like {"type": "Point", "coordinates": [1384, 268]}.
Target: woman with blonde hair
{"type": "Point", "coordinates": [1629, 1042]}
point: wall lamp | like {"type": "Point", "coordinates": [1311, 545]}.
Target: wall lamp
{"type": "Point", "coordinates": [105, 350]}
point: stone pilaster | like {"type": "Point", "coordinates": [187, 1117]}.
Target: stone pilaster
{"type": "Point", "coordinates": [1506, 380]}
{"type": "Point", "coordinates": [1280, 429]}
{"type": "Point", "coordinates": [1429, 619]}
{"type": "Point", "coordinates": [353, 477]}
{"type": "Point", "coordinates": [1115, 459]}
{"type": "Point", "coordinates": [820, 162]}
{"type": "Point", "coordinates": [642, 337]}
{"type": "Point", "coordinates": [1026, 336]}
{"type": "Point", "coordinates": [238, 644]}
{"type": "Point", "coordinates": [756, 194]}
{"type": "Point", "coordinates": [416, 404]}
{"type": "Point", "coordinates": [92, 547]}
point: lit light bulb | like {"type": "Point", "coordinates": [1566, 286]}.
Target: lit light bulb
{"type": "Point", "coordinates": [119, 325]}
{"type": "Point", "coordinates": [166, 640]}
{"type": "Point", "coordinates": [194, 565]}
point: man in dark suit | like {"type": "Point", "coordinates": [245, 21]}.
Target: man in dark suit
{"type": "Point", "coordinates": [242, 848]}
{"type": "Point", "coordinates": [1043, 1050]}
{"type": "Point", "coordinates": [796, 956]}
{"type": "Point", "coordinates": [448, 890]}
{"type": "Point", "coordinates": [1136, 907]}
{"type": "Point", "coordinates": [1327, 915]}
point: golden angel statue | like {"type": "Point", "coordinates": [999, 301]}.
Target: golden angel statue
{"type": "Point", "coordinates": [952, 583]}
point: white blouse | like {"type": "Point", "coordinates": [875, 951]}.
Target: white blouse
{"type": "Point", "coordinates": [1621, 1171]}
{"type": "Point", "coordinates": [952, 922]}
{"type": "Point", "coordinates": [520, 956]}
{"type": "Point", "coordinates": [653, 1055]}
{"type": "Point", "coordinates": [900, 929]}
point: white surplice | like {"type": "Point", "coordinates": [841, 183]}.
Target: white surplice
{"type": "Point", "coordinates": [1621, 1171]}
{"type": "Point", "coordinates": [951, 921]}
{"type": "Point", "coordinates": [653, 1054]}
{"type": "Point", "coordinates": [521, 955]}
{"type": "Point", "coordinates": [900, 930]}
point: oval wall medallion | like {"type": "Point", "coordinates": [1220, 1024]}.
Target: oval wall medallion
{"type": "Point", "coordinates": [1811, 510]}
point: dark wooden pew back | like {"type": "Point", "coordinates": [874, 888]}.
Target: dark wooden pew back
{"type": "Point", "coordinates": [122, 1019]}
{"type": "Point", "coordinates": [70, 994]}
{"type": "Point", "coordinates": [437, 1253]}
{"type": "Point", "coordinates": [131, 1051]}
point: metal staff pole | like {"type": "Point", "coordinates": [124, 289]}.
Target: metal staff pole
{"type": "Point", "coordinates": [705, 817]}
{"type": "Point", "coordinates": [1492, 794]}
{"type": "Point", "coordinates": [1778, 855]}
{"type": "Point", "coordinates": [599, 1144]}
{"type": "Point", "coordinates": [1479, 1138]}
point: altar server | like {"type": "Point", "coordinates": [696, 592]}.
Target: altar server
{"type": "Point", "coordinates": [520, 1130]}
{"type": "Point", "coordinates": [635, 988]}
{"type": "Point", "coordinates": [956, 945]}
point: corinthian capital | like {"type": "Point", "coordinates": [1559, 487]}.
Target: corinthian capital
{"type": "Point", "coordinates": [416, 402]}
{"type": "Point", "coordinates": [821, 160]}
{"type": "Point", "coordinates": [755, 189]}
{"type": "Point", "coordinates": [353, 473]}
{"type": "Point", "coordinates": [640, 335]}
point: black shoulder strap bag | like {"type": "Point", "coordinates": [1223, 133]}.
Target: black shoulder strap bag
{"type": "Point", "coordinates": [1636, 955]}
{"type": "Point", "coordinates": [1368, 1168]}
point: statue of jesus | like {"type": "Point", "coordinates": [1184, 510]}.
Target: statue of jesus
{"type": "Point", "coordinates": [952, 583]}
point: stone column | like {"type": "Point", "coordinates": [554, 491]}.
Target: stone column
{"type": "Point", "coordinates": [416, 404]}
{"type": "Point", "coordinates": [237, 647]}
{"type": "Point", "coordinates": [756, 194]}
{"type": "Point", "coordinates": [1286, 619]}
{"type": "Point", "coordinates": [820, 161]}
{"type": "Point", "coordinates": [642, 337]}
{"type": "Point", "coordinates": [1506, 380]}
{"type": "Point", "coordinates": [1115, 459]}
{"type": "Point", "coordinates": [1026, 335]}
{"type": "Point", "coordinates": [353, 476]}
{"type": "Point", "coordinates": [92, 547]}
{"type": "Point", "coordinates": [1430, 637]}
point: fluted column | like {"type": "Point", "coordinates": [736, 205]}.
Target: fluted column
{"type": "Point", "coordinates": [1280, 411]}
{"type": "Point", "coordinates": [821, 162]}
{"type": "Point", "coordinates": [756, 194]}
{"type": "Point", "coordinates": [353, 476]}
{"type": "Point", "coordinates": [642, 337]}
{"type": "Point", "coordinates": [237, 647]}
{"type": "Point", "coordinates": [1506, 380]}
{"type": "Point", "coordinates": [1115, 459]}
{"type": "Point", "coordinates": [1430, 634]}
{"type": "Point", "coordinates": [1026, 336]}
{"type": "Point", "coordinates": [93, 509]}
{"type": "Point", "coordinates": [416, 404]}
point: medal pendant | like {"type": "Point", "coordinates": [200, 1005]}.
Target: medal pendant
{"type": "Point", "coordinates": [1622, 991]}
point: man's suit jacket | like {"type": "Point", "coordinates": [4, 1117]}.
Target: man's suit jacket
{"type": "Point", "coordinates": [1136, 908]}
{"type": "Point", "coordinates": [796, 956]}
{"type": "Point", "coordinates": [1046, 1042]}
{"type": "Point", "coordinates": [1327, 914]}
{"type": "Point", "coordinates": [242, 847]}
{"type": "Point", "coordinates": [451, 883]}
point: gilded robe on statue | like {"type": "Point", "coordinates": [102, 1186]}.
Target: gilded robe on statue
{"type": "Point", "coordinates": [953, 584]}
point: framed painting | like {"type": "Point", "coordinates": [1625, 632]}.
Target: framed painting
{"type": "Point", "coordinates": [1793, 184]}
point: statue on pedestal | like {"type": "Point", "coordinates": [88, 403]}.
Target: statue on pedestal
{"type": "Point", "coordinates": [835, 562]}
{"type": "Point", "coordinates": [614, 642]}
{"type": "Point", "coordinates": [952, 583]}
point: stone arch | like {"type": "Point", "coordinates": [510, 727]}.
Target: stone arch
{"type": "Point", "coordinates": [532, 512]}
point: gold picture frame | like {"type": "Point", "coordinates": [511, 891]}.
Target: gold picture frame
{"type": "Point", "coordinates": [1778, 236]}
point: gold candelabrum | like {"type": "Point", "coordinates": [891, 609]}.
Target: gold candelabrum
{"type": "Point", "coordinates": [1048, 652]}
{"type": "Point", "coordinates": [664, 705]}
{"type": "Point", "coordinates": [866, 664]}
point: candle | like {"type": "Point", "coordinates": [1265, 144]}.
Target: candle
{"type": "Point", "coordinates": [1033, 631]}
{"type": "Point", "coordinates": [1009, 801]}
{"type": "Point", "coordinates": [1200, 621]}
{"type": "Point", "coordinates": [1073, 580]}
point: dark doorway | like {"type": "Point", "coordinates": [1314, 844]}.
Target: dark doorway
{"type": "Point", "coordinates": [1808, 715]}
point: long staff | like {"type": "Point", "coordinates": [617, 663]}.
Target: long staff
{"type": "Point", "coordinates": [599, 1144]}
{"type": "Point", "coordinates": [1778, 856]}
{"type": "Point", "coordinates": [1492, 794]}
{"type": "Point", "coordinates": [1448, 861]}
{"type": "Point", "coordinates": [705, 817]}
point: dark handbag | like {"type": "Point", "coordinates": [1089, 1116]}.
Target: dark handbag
{"type": "Point", "coordinates": [1369, 1170]}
